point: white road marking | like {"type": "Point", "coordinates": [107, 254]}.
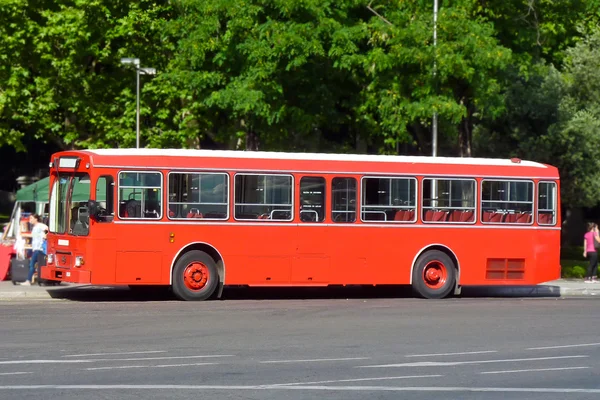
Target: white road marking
{"type": "Point", "coordinates": [158, 358]}
{"type": "Point", "coordinates": [314, 360]}
{"type": "Point", "coordinates": [532, 370]}
{"type": "Point", "coordinates": [15, 373]}
{"type": "Point", "coordinates": [452, 354]}
{"type": "Point", "coordinates": [115, 354]}
{"type": "Point", "coordinates": [95, 360]}
{"type": "Point", "coordinates": [564, 347]}
{"type": "Point", "coordinates": [452, 363]}
{"type": "Point", "coordinates": [359, 380]}
{"type": "Point", "coordinates": [148, 366]}
{"type": "Point", "coordinates": [44, 362]}
{"type": "Point", "coordinates": [313, 388]}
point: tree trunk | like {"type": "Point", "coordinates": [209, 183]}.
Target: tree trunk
{"type": "Point", "coordinates": [465, 133]}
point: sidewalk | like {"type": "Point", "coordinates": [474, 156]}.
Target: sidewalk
{"type": "Point", "coordinates": [557, 288]}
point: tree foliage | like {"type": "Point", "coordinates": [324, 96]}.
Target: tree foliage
{"type": "Point", "coordinates": [504, 78]}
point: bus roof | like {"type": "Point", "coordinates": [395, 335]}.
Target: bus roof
{"type": "Point", "coordinates": [314, 157]}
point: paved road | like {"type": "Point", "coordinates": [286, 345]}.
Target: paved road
{"type": "Point", "coordinates": [296, 349]}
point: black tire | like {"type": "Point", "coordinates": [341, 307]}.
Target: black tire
{"type": "Point", "coordinates": [429, 265]}
{"type": "Point", "coordinates": [188, 284]}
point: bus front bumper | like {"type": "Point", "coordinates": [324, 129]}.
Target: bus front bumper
{"type": "Point", "coordinates": [66, 275]}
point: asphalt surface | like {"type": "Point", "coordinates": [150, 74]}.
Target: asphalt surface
{"type": "Point", "coordinates": [282, 347]}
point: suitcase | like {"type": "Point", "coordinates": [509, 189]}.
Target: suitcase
{"type": "Point", "coordinates": [19, 269]}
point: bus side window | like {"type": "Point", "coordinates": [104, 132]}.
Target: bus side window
{"type": "Point", "coordinates": [343, 204]}
{"type": "Point", "coordinates": [105, 198]}
{"type": "Point", "coordinates": [140, 195]}
{"type": "Point", "coordinates": [312, 199]}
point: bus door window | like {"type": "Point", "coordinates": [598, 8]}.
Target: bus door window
{"type": "Point", "coordinates": [389, 199]}
{"type": "Point", "coordinates": [343, 204]}
{"type": "Point", "coordinates": [312, 199]}
{"type": "Point", "coordinates": [506, 202]}
{"type": "Point", "coordinates": [140, 195]}
{"type": "Point", "coordinates": [546, 203]}
{"type": "Point", "coordinates": [80, 195]}
{"type": "Point", "coordinates": [263, 197]}
{"type": "Point", "coordinates": [449, 200]}
{"type": "Point", "coordinates": [198, 195]}
{"type": "Point", "coordinates": [104, 198]}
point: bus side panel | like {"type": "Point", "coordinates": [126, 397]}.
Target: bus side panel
{"type": "Point", "coordinates": [547, 248]}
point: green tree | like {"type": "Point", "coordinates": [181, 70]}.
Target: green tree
{"type": "Point", "coordinates": [60, 72]}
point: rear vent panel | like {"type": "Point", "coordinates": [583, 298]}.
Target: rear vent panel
{"type": "Point", "coordinates": [505, 268]}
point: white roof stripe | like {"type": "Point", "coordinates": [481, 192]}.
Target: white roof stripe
{"type": "Point", "coordinates": [312, 156]}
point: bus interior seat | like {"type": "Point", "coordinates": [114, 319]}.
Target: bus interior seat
{"type": "Point", "coordinates": [524, 218]}
{"type": "Point", "coordinates": [400, 215]}
{"type": "Point", "coordinates": [545, 218]}
{"type": "Point", "coordinates": [308, 217]}
{"type": "Point", "coordinates": [404, 215]}
{"type": "Point", "coordinates": [428, 215]}
{"type": "Point", "coordinates": [497, 216]}
{"type": "Point", "coordinates": [133, 209]}
{"type": "Point", "coordinates": [82, 223]}
{"type": "Point", "coordinates": [467, 216]}
{"type": "Point", "coordinates": [194, 213]}
{"type": "Point", "coordinates": [440, 216]}
{"type": "Point", "coordinates": [456, 215]}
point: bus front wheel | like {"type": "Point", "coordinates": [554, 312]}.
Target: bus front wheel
{"type": "Point", "coordinates": [195, 276]}
{"type": "Point", "coordinates": [434, 275]}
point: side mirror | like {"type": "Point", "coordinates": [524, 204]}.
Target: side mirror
{"type": "Point", "coordinates": [93, 209]}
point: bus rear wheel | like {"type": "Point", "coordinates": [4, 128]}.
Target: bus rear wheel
{"type": "Point", "coordinates": [195, 276]}
{"type": "Point", "coordinates": [434, 275]}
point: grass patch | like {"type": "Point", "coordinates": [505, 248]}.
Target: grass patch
{"type": "Point", "coordinates": [4, 218]}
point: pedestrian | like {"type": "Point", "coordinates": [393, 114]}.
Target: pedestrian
{"type": "Point", "coordinates": [591, 240]}
{"type": "Point", "coordinates": [38, 237]}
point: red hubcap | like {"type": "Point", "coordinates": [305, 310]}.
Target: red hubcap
{"type": "Point", "coordinates": [195, 276]}
{"type": "Point", "coordinates": [435, 274]}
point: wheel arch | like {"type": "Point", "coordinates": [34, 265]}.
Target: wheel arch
{"type": "Point", "coordinates": [443, 248]}
{"type": "Point", "coordinates": [208, 249]}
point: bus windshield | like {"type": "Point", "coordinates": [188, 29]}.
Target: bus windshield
{"type": "Point", "coordinates": [68, 205]}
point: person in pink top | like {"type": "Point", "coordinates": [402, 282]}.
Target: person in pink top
{"type": "Point", "coordinates": [589, 249]}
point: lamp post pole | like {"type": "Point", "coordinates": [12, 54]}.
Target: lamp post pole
{"type": "Point", "coordinates": [434, 126]}
{"type": "Point", "coordinates": [137, 108]}
{"type": "Point", "coordinates": [138, 71]}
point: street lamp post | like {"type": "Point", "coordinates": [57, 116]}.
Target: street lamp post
{"type": "Point", "coordinates": [138, 71]}
{"type": "Point", "coordinates": [434, 141]}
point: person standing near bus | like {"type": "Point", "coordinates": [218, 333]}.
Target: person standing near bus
{"type": "Point", "coordinates": [38, 237]}
{"type": "Point", "coordinates": [589, 249]}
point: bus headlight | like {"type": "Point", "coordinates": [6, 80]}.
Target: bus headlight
{"type": "Point", "coordinates": [79, 261]}
{"type": "Point", "coordinates": [50, 259]}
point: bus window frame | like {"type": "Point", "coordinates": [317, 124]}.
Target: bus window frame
{"type": "Point", "coordinates": [325, 198]}
{"type": "Point", "coordinates": [449, 178]}
{"type": "Point", "coordinates": [555, 205]}
{"type": "Point", "coordinates": [161, 197]}
{"type": "Point", "coordinates": [362, 193]}
{"type": "Point", "coordinates": [533, 201]}
{"type": "Point", "coordinates": [228, 205]}
{"type": "Point", "coordinates": [111, 216]}
{"type": "Point", "coordinates": [292, 198]}
{"type": "Point", "coordinates": [357, 194]}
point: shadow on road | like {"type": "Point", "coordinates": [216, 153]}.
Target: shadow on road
{"type": "Point", "coordinates": [119, 293]}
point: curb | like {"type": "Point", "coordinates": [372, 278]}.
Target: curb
{"type": "Point", "coordinates": [38, 295]}
{"type": "Point", "coordinates": [568, 292]}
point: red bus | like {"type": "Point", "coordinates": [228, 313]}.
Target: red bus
{"type": "Point", "coordinates": [198, 220]}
